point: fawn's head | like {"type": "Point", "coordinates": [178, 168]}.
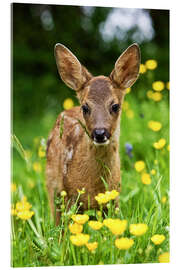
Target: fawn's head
{"type": "Point", "coordinates": [100, 97]}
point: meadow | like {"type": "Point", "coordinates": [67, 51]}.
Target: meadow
{"type": "Point", "coordinates": [137, 231]}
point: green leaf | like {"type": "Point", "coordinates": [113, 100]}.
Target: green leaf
{"type": "Point", "coordinates": [18, 146]}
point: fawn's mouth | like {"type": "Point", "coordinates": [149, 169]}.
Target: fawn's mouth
{"type": "Point", "coordinates": [100, 136]}
{"type": "Point", "coordinates": [106, 142]}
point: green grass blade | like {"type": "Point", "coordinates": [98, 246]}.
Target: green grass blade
{"type": "Point", "coordinates": [84, 127]}
{"type": "Point", "coordinates": [61, 128]}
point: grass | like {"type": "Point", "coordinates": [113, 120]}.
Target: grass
{"type": "Point", "coordinates": [38, 242]}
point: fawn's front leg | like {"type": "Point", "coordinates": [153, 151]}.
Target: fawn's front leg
{"type": "Point", "coordinates": [54, 191]}
{"type": "Point", "coordinates": [54, 181]}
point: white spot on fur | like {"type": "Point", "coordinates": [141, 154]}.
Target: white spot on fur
{"type": "Point", "coordinates": [65, 168]}
{"type": "Point", "coordinates": [68, 154]}
{"type": "Point", "coordinates": [70, 119]}
{"type": "Point", "coordinates": [76, 130]}
{"type": "Point", "coordinates": [115, 136]}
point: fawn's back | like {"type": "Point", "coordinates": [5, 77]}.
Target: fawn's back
{"type": "Point", "coordinates": [83, 146]}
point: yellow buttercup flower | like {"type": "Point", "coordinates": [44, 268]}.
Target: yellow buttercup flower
{"type": "Point", "coordinates": [23, 205]}
{"type": "Point", "coordinates": [92, 246]}
{"type": "Point", "coordinates": [13, 211]}
{"type": "Point", "coordinates": [37, 167]}
{"type": "Point", "coordinates": [153, 172]}
{"type": "Point", "coordinates": [149, 94]}
{"type": "Point", "coordinates": [113, 194]}
{"type": "Point", "coordinates": [79, 239]}
{"type": "Point", "coordinates": [168, 85]}
{"type": "Point", "coordinates": [22, 209]}
{"type": "Point", "coordinates": [82, 191]}
{"type": "Point", "coordinates": [139, 165]}
{"type": "Point", "coordinates": [95, 225]}
{"type": "Point", "coordinates": [158, 86]}
{"type": "Point", "coordinates": [130, 114]}
{"type": "Point", "coordinates": [25, 214]}
{"type": "Point", "coordinates": [102, 198]}
{"type": "Point", "coordinates": [125, 106]}
{"type": "Point", "coordinates": [160, 144]}
{"type": "Point", "coordinates": [116, 226]}
{"type": "Point", "coordinates": [63, 193]}
{"type": "Point", "coordinates": [156, 96]}
{"type": "Point", "coordinates": [164, 257]}
{"type": "Point", "coordinates": [80, 219]}
{"type": "Point", "coordinates": [68, 103]}
{"type": "Point", "coordinates": [128, 90]}
{"type": "Point", "coordinates": [168, 147]}
{"type": "Point", "coordinates": [146, 179]}
{"type": "Point", "coordinates": [157, 239]}
{"type": "Point", "coordinates": [164, 199]}
{"type": "Point", "coordinates": [151, 64]}
{"type": "Point", "coordinates": [155, 161]}
{"type": "Point", "coordinates": [75, 228]}
{"type": "Point", "coordinates": [142, 68]}
{"type": "Point", "coordinates": [41, 152]}
{"type": "Point", "coordinates": [107, 221]}
{"type": "Point", "coordinates": [124, 243]}
{"type": "Point", "coordinates": [13, 187]}
{"type": "Point", "coordinates": [154, 125]}
{"type": "Point", "coordinates": [138, 229]}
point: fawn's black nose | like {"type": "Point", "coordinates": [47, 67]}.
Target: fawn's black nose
{"type": "Point", "coordinates": [100, 135]}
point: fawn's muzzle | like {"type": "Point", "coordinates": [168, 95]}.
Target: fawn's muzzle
{"type": "Point", "coordinates": [100, 135]}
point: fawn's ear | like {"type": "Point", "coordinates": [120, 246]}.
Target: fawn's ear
{"type": "Point", "coordinates": [126, 69]}
{"type": "Point", "coordinates": [70, 69]}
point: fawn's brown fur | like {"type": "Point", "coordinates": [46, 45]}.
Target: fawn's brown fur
{"type": "Point", "coordinates": [74, 159]}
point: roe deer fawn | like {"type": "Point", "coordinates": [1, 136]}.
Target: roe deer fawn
{"type": "Point", "coordinates": [74, 159]}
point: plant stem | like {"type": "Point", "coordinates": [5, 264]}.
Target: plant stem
{"type": "Point", "coordinates": [33, 228]}
{"type": "Point", "coordinates": [112, 250]}
{"type": "Point", "coordinates": [79, 258]}
{"type": "Point", "coordinates": [64, 242]}
{"type": "Point", "coordinates": [73, 254]}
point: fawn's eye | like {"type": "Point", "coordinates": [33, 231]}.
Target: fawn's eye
{"type": "Point", "coordinates": [85, 109]}
{"type": "Point", "coordinates": [115, 108]}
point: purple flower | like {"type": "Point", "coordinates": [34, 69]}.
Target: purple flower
{"type": "Point", "coordinates": [129, 149]}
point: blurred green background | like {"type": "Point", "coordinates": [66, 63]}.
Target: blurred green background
{"type": "Point", "coordinates": [96, 35]}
